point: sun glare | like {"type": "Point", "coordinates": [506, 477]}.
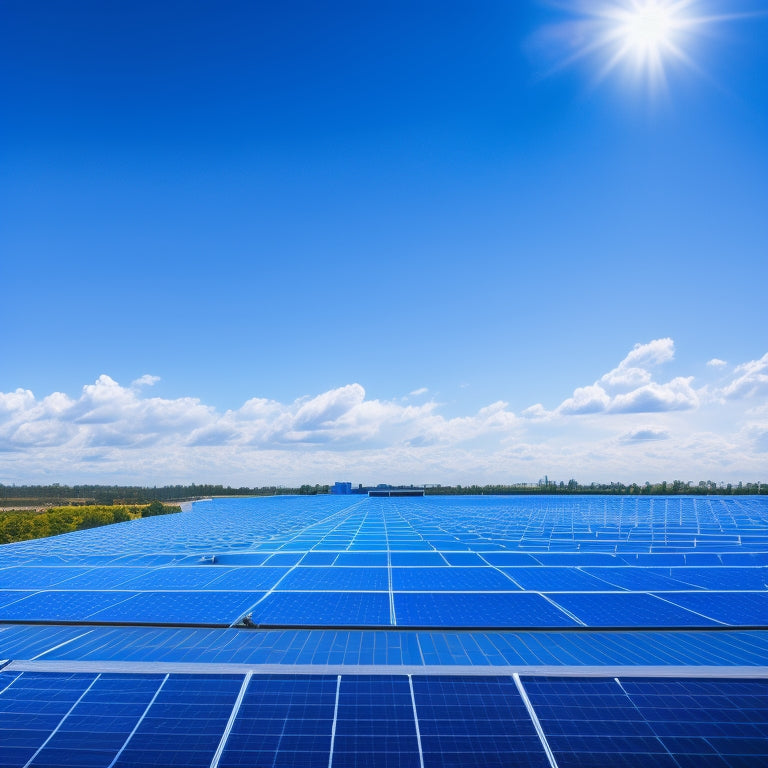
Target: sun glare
{"type": "Point", "coordinates": [646, 32]}
{"type": "Point", "coordinates": [644, 39]}
{"type": "Point", "coordinates": [648, 28]}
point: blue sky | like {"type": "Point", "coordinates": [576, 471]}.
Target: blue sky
{"type": "Point", "coordinates": [251, 242]}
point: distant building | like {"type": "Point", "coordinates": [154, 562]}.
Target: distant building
{"type": "Point", "coordinates": [341, 488]}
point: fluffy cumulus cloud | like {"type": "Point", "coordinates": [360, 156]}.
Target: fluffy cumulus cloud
{"type": "Point", "coordinates": [629, 388]}
{"type": "Point", "coordinates": [632, 423]}
{"type": "Point", "coordinates": [115, 425]}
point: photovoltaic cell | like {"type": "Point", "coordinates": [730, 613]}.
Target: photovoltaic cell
{"type": "Point", "coordinates": [184, 725]}
{"type": "Point", "coordinates": [451, 579]}
{"type": "Point", "coordinates": [375, 725]}
{"type": "Point", "coordinates": [593, 723]}
{"type": "Point", "coordinates": [543, 579]}
{"type": "Point", "coordinates": [32, 706]}
{"type": "Point", "coordinates": [706, 722]}
{"type": "Point", "coordinates": [606, 722]}
{"type": "Point", "coordinates": [746, 609]}
{"type": "Point", "coordinates": [635, 578]}
{"type": "Point", "coordinates": [180, 607]}
{"type": "Point", "coordinates": [336, 578]}
{"type": "Point", "coordinates": [37, 577]}
{"type": "Point", "coordinates": [95, 730]}
{"type": "Point", "coordinates": [462, 609]}
{"type": "Point", "coordinates": [628, 609]}
{"type": "Point", "coordinates": [62, 606]}
{"type": "Point", "coordinates": [284, 720]}
{"type": "Point", "coordinates": [479, 722]}
{"type": "Point", "coordinates": [323, 608]}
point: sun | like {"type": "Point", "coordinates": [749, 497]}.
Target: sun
{"type": "Point", "coordinates": [648, 28]}
{"type": "Point", "coordinates": [648, 32]}
{"type": "Point", "coordinates": [643, 39]}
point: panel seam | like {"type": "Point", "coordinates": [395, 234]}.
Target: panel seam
{"type": "Point", "coordinates": [230, 723]}
{"type": "Point", "coordinates": [535, 719]}
{"type": "Point", "coordinates": [416, 722]}
{"type": "Point", "coordinates": [139, 722]}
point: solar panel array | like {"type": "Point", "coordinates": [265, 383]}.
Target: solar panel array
{"type": "Point", "coordinates": [321, 631]}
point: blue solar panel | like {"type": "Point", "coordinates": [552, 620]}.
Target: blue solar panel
{"type": "Point", "coordinates": [723, 578]}
{"type": "Point", "coordinates": [361, 559]}
{"type": "Point", "coordinates": [95, 730]}
{"type": "Point", "coordinates": [636, 579]}
{"type": "Point", "coordinates": [184, 725]}
{"type": "Point", "coordinates": [592, 722]}
{"type": "Point", "coordinates": [179, 607]}
{"type": "Point", "coordinates": [475, 722]}
{"type": "Point", "coordinates": [705, 722]}
{"type": "Point", "coordinates": [320, 558]}
{"type": "Point", "coordinates": [8, 597]}
{"type": "Point", "coordinates": [336, 578]}
{"type": "Point", "coordinates": [493, 609]}
{"type": "Point", "coordinates": [102, 577]}
{"type": "Point", "coordinates": [323, 608]}
{"type": "Point", "coordinates": [32, 706]}
{"type": "Point", "coordinates": [36, 577]}
{"type": "Point", "coordinates": [62, 606]}
{"type": "Point", "coordinates": [283, 720]}
{"type": "Point", "coordinates": [735, 608]}
{"type": "Point", "coordinates": [247, 579]}
{"type": "Point", "coordinates": [629, 609]}
{"type": "Point", "coordinates": [463, 558]}
{"type": "Point", "coordinates": [451, 579]}
{"type": "Point", "coordinates": [607, 722]}
{"type": "Point", "coordinates": [411, 573]}
{"type": "Point", "coordinates": [189, 577]}
{"type": "Point", "coordinates": [416, 558]}
{"type": "Point", "coordinates": [560, 579]}
{"type": "Point", "coordinates": [375, 725]}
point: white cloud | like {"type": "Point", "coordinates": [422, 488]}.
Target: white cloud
{"type": "Point", "coordinates": [653, 353]}
{"type": "Point", "coordinates": [147, 380]}
{"type": "Point", "coordinates": [629, 387]}
{"type": "Point", "coordinates": [749, 380]}
{"type": "Point", "coordinates": [716, 362]}
{"type": "Point", "coordinates": [419, 391]}
{"type": "Point", "coordinates": [536, 412]}
{"type": "Point", "coordinates": [592, 399]}
{"type": "Point", "coordinates": [625, 426]}
{"type": "Point", "coordinates": [643, 434]}
{"type": "Point", "coordinates": [675, 395]}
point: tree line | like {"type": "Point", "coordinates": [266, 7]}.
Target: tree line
{"type": "Point", "coordinates": [572, 487]}
{"type": "Point", "coordinates": [21, 525]}
{"type": "Point", "coordinates": [42, 495]}
{"type": "Point", "coordinates": [120, 495]}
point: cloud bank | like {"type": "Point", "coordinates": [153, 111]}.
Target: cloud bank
{"type": "Point", "coordinates": [632, 423]}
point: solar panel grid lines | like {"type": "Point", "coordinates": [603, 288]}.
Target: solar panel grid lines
{"type": "Point", "coordinates": [127, 741]}
{"type": "Point", "coordinates": [387, 586]}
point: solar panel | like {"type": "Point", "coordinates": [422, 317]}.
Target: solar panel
{"type": "Point", "coordinates": [484, 609]}
{"type": "Point", "coordinates": [375, 724]}
{"type": "Point", "coordinates": [283, 720]}
{"type": "Point", "coordinates": [475, 722]}
{"type": "Point", "coordinates": [393, 631]}
{"type": "Point", "coordinates": [184, 724]}
{"type": "Point", "coordinates": [606, 722]}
